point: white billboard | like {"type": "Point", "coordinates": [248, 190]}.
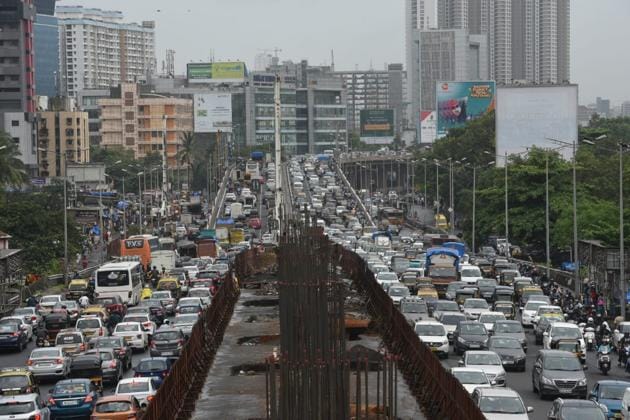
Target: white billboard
{"type": "Point", "coordinates": [428, 126]}
{"type": "Point", "coordinates": [213, 112]}
{"type": "Point", "coordinates": [527, 116]}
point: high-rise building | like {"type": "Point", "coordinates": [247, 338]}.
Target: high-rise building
{"type": "Point", "coordinates": [87, 101]}
{"type": "Point", "coordinates": [374, 89]}
{"type": "Point", "coordinates": [98, 50]}
{"type": "Point", "coordinates": [63, 138]}
{"type": "Point", "coordinates": [602, 107]}
{"type": "Point", "coordinates": [625, 109]}
{"type": "Point", "coordinates": [452, 14]}
{"type": "Point", "coordinates": [138, 122]}
{"type": "Point", "coordinates": [46, 42]}
{"type": "Point", "coordinates": [17, 78]}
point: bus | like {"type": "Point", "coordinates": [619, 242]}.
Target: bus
{"type": "Point", "coordinates": [122, 279]}
{"type": "Point", "coordinates": [392, 215]}
{"type": "Point", "coordinates": [140, 246]}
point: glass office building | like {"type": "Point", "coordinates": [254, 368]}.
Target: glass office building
{"type": "Point", "coordinates": [46, 55]}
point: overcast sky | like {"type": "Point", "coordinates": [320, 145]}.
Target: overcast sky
{"type": "Point", "coordinates": [362, 33]}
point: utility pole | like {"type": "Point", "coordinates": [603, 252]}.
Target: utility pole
{"type": "Point", "coordinates": [576, 258]}
{"type": "Point", "coordinates": [278, 148]}
{"type": "Point", "coordinates": [507, 229]}
{"type": "Point", "coordinates": [65, 220]}
{"type": "Point", "coordinates": [547, 246]}
{"type": "Point", "coordinates": [164, 175]}
{"type": "Point", "coordinates": [474, 209]}
{"type": "Point", "coordinates": [622, 249]}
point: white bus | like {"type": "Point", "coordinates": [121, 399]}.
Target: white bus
{"type": "Point", "coordinates": [120, 278]}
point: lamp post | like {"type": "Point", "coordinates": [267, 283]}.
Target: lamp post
{"type": "Point", "coordinates": [425, 183]}
{"type": "Point", "coordinates": [506, 194]}
{"type": "Point", "coordinates": [437, 188]}
{"type": "Point", "coordinates": [140, 194]}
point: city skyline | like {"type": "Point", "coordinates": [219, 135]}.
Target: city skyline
{"type": "Point", "coordinates": [359, 45]}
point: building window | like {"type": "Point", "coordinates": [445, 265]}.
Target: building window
{"type": "Point", "coordinates": [129, 128]}
{"type": "Point", "coordinates": [128, 102]}
{"type": "Point", "coordinates": [16, 140]}
{"type": "Point", "coordinates": [128, 95]}
{"type": "Point", "coordinates": [129, 116]}
{"type": "Point", "coordinates": [15, 123]}
{"type": "Point", "coordinates": [129, 141]}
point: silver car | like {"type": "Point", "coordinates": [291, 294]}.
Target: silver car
{"type": "Point", "coordinates": [48, 362]}
{"type": "Point", "coordinates": [185, 323]}
{"type": "Point", "coordinates": [23, 407]}
{"type": "Point", "coordinates": [31, 316]}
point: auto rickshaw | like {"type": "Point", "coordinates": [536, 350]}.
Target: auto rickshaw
{"type": "Point", "coordinates": [427, 292]}
{"type": "Point", "coordinates": [146, 293]}
{"type": "Point", "coordinates": [468, 292]}
{"type": "Point", "coordinates": [78, 288]}
{"type": "Point", "coordinates": [572, 346]}
{"type": "Point", "coordinates": [88, 366]}
{"type": "Point", "coordinates": [171, 284]}
{"type": "Point", "coordinates": [96, 310]}
{"type": "Point", "coordinates": [53, 323]}
{"type": "Point", "coordinates": [503, 294]}
{"type": "Point", "coordinates": [506, 308]}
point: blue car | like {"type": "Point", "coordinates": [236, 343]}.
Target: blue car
{"type": "Point", "coordinates": [154, 367]}
{"type": "Point", "coordinates": [609, 393]}
{"type": "Point", "coordinates": [72, 398]}
{"type": "Point", "coordinates": [12, 337]}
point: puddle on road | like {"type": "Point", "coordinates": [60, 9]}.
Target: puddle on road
{"type": "Point", "coordinates": [262, 302]}
{"type": "Point", "coordinates": [249, 369]}
{"type": "Point", "coordinates": [259, 339]}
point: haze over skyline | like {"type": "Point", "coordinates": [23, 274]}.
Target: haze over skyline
{"type": "Point", "coordinates": [362, 33]}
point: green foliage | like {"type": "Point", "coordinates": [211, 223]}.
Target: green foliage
{"type": "Point", "coordinates": [12, 171]}
{"type": "Point", "coordinates": [35, 221]}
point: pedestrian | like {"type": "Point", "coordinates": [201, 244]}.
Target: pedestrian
{"type": "Point", "coordinates": [84, 263]}
{"type": "Point", "coordinates": [601, 305]}
{"type": "Point", "coordinates": [84, 301]}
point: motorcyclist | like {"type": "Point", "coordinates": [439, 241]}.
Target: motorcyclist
{"type": "Point", "coordinates": [32, 301]}
{"type": "Point", "coordinates": [623, 342]}
{"type": "Point", "coordinates": [155, 275]}
{"type": "Point", "coordinates": [590, 323]}
{"type": "Point", "coordinates": [604, 346]}
{"type": "Point", "coordinates": [603, 331]}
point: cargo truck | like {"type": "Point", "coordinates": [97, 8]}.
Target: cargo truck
{"type": "Point", "coordinates": [441, 266]}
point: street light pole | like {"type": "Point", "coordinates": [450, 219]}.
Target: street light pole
{"type": "Point", "coordinates": [474, 208]}
{"type": "Point", "coordinates": [140, 194]}
{"type": "Point", "coordinates": [576, 270]}
{"type": "Point", "coordinates": [437, 189]}
{"type": "Point", "coordinates": [547, 245]}
{"type": "Point", "coordinates": [65, 221]}
{"type": "Point", "coordinates": [507, 230]}
{"type": "Point", "coordinates": [622, 249]}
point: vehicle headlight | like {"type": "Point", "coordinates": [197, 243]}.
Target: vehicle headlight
{"type": "Point", "coordinates": [445, 342]}
{"type": "Point", "coordinates": [582, 382]}
{"type": "Point", "coordinates": [546, 380]}
{"type": "Point", "coordinates": [461, 340]}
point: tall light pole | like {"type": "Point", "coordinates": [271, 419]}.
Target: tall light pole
{"type": "Point", "coordinates": [425, 183]}
{"type": "Point", "coordinates": [506, 195]}
{"type": "Point", "coordinates": [124, 206]}
{"type": "Point", "coordinates": [547, 245]}
{"type": "Point", "coordinates": [437, 188]}
{"type": "Point", "coordinates": [140, 194]}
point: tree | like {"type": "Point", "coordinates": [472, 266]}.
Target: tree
{"type": "Point", "coordinates": [12, 170]}
{"type": "Point", "coordinates": [186, 153]}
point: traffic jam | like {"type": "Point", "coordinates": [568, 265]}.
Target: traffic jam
{"type": "Point", "coordinates": [102, 348]}
{"type": "Point", "coordinates": [519, 344]}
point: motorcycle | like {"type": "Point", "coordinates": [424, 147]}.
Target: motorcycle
{"type": "Point", "coordinates": [603, 358]}
{"type": "Point", "coordinates": [589, 338]}
{"type": "Point", "coordinates": [625, 356]}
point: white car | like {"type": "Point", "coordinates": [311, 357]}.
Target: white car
{"type": "Point", "coordinates": [470, 274]}
{"type": "Point", "coordinates": [230, 197]}
{"type": "Point", "coordinates": [133, 334]}
{"type": "Point", "coordinates": [24, 326]}
{"type": "Point", "coordinates": [546, 309]}
{"type": "Point", "coordinates": [144, 320]}
{"type": "Point", "coordinates": [143, 389]}
{"type": "Point", "coordinates": [24, 406]}
{"type": "Point", "coordinates": [470, 378]}
{"type": "Point", "coordinates": [48, 362]}
{"type": "Point", "coordinates": [47, 302]}
{"type": "Point", "coordinates": [397, 291]}
{"type": "Point", "coordinates": [386, 279]}
{"type": "Point", "coordinates": [473, 307]}
{"type": "Point", "coordinates": [561, 330]}
{"type": "Point", "coordinates": [500, 404]}
{"type": "Point", "coordinates": [202, 293]}
{"type": "Point", "coordinates": [488, 361]}
{"type": "Point", "coordinates": [489, 318]}
{"type": "Point", "coordinates": [434, 335]}
{"type": "Point", "coordinates": [529, 312]}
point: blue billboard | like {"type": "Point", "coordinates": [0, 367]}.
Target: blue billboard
{"type": "Point", "coordinates": [460, 102]}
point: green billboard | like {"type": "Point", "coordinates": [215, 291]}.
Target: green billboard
{"type": "Point", "coordinates": [377, 126]}
{"type": "Point", "coordinates": [215, 72]}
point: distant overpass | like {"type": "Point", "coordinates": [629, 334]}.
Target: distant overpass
{"type": "Point", "coordinates": [378, 171]}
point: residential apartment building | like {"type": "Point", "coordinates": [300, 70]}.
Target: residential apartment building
{"type": "Point", "coordinates": [625, 109]}
{"type": "Point", "coordinates": [87, 101]}
{"type": "Point", "coordinates": [17, 78]}
{"type": "Point", "coordinates": [98, 50]}
{"type": "Point", "coordinates": [63, 138]}
{"type": "Point", "coordinates": [374, 89]}
{"type": "Point", "coordinates": [46, 43]}
{"type": "Point", "coordinates": [144, 123]}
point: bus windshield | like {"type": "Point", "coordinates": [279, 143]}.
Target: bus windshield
{"type": "Point", "coordinates": [112, 278]}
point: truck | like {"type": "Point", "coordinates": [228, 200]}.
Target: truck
{"type": "Point", "coordinates": [257, 155]}
{"type": "Point", "coordinates": [400, 264]}
{"type": "Point", "coordinates": [441, 266]}
{"type": "Point", "coordinates": [236, 236]}
{"type": "Point", "coordinates": [236, 210]}
{"type": "Point", "coordinates": [164, 259]}
{"type": "Point", "coordinates": [207, 248]}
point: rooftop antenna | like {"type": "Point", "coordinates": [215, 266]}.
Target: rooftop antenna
{"type": "Point", "coordinates": [371, 65]}
{"type": "Point", "coordinates": [332, 60]}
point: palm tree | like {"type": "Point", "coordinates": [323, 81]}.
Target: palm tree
{"type": "Point", "coordinates": [12, 170]}
{"type": "Point", "coordinates": [186, 152]}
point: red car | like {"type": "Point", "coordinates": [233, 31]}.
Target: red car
{"type": "Point", "coordinates": [255, 223]}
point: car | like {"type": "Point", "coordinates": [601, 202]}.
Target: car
{"type": "Point", "coordinates": [112, 304]}
{"type": "Point", "coordinates": [27, 406]}
{"type": "Point", "coordinates": [561, 331]}
{"type": "Point", "coordinates": [529, 312]}
{"type": "Point", "coordinates": [452, 288]}
{"type": "Point", "coordinates": [254, 223]}
{"type": "Point", "coordinates": [471, 378]}
{"type": "Point", "coordinates": [17, 380]}
{"type": "Point", "coordinates": [568, 409]}
{"type": "Point", "coordinates": [70, 307]}
{"type": "Point", "coordinates": [434, 335]}
{"type": "Point", "coordinates": [92, 326]}
{"type": "Point", "coordinates": [397, 291]}
{"type": "Point", "coordinates": [12, 337]}
{"type": "Point", "coordinates": [486, 288]}
{"type": "Point", "coordinates": [185, 323]}
{"type": "Point", "coordinates": [30, 314]}
{"type": "Point", "coordinates": [469, 335]}
{"type": "Point", "coordinates": [47, 302]}
{"type": "Point", "coordinates": [473, 307]}
{"type": "Point", "coordinates": [133, 333]}
{"type": "Point", "coordinates": [167, 342]}
{"type": "Point", "coordinates": [48, 362]}
{"type": "Point", "coordinates": [143, 389]}
{"type": "Point", "coordinates": [609, 393]}
{"type": "Point", "coordinates": [470, 274]}
{"type": "Point", "coordinates": [513, 329]}
{"type": "Point", "coordinates": [189, 301]}
{"type": "Point", "coordinates": [441, 306]}
{"type": "Point", "coordinates": [547, 310]}
{"type": "Point", "coordinates": [500, 404]}
{"type": "Point", "coordinates": [543, 324]}
{"type": "Point", "coordinates": [558, 372]}
{"type": "Point", "coordinates": [489, 362]}
{"type": "Point", "coordinates": [201, 292]}
{"type": "Point", "coordinates": [156, 368]}
{"type": "Point", "coordinates": [71, 341]}
{"type": "Point", "coordinates": [24, 326]}
{"type": "Point", "coordinates": [450, 320]}
{"type": "Point", "coordinates": [509, 350]}
{"type": "Point", "coordinates": [122, 351]}
{"type": "Point", "coordinates": [385, 278]}
{"type": "Point", "coordinates": [158, 312]}
{"type": "Point", "coordinates": [413, 309]}
{"type": "Point", "coordinates": [111, 366]}
{"type": "Point", "coordinates": [167, 299]}
{"type": "Point", "coordinates": [113, 407]}
{"type": "Point", "coordinates": [489, 318]}
{"type": "Point", "coordinates": [72, 398]}
{"type": "Point", "coordinates": [143, 319]}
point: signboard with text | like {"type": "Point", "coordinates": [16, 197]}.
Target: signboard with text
{"type": "Point", "coordinates": [213, 112]}
{"type": "Point", "coordinates": [224, 72]}
{"type": "Point", "coordinates": [461, 102]}
{"type": "Point", "coordinates": [377, 126]}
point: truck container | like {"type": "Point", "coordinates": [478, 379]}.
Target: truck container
{"type": "Point", "coordinates": [441, 266]}
{"type": "Point", "coordinates": [257, 155]}
{"type": "Point", "coordinates": [236, 209]}
{"type": "Point", "coordinates": [207, 248]}
{"type": "Point", "coordinates": [186, 218]}
{"type": "Point", "coordinates": [164, 259]}
{"type": "Point", "coordinates": [237, 236]}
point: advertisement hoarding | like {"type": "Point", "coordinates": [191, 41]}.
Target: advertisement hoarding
{"type": "Point", "coordinates": [377, 126]}
{"type": "Point", "coordinates": [527, 115]}
{"type": "Point", "coordinates": [461, 102]}
{"type": "Point", "coordinates": [213, 112]}
{"type": "Point", "coordinates": [428, 126]}
{"type": "Point", "coordinates": [233, 72]}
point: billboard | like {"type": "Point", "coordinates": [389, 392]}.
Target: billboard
{"type": "Point", "coordinates": [377, 126]}
{"type": "Point", "coordinates": [460, 102]}
{"type": "Point", "coordinates": [428, 126]}
{"type": "Point", "coordinates": [226, 72]}
{"type": "Point", "coordinates": [527, 115]}
{"type": "Point", "coordinates": [213, 112]}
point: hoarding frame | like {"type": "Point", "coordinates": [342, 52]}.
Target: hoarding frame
{"type": "Point", "coordinates": [377, 118]}
{"type": "Point", "coordinates": [459, 102]}
{"type": "Point", "coordinates": [213, 112]}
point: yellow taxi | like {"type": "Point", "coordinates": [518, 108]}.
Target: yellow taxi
{"type": "Point", "coordinates": [16, 381]}
{"type": "Point", "coordinates": [172, 284]}
{"type": "Point", "coordinates": [96, 310]}
{"type": "Point", "coordinates": [77, 288]}
{"type": "Point", "coordinates": [427, 292]}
